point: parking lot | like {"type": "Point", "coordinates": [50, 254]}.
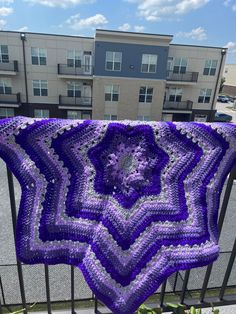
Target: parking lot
{"type": "Point", "coordinates": [227, 109]}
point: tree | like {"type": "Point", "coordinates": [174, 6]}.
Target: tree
{"type": "Point", "coordinates": [221, 84]}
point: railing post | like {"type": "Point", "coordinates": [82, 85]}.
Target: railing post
{"type": "Point", "coordinates": [13, 214]}
{"type": "Point", "coordinates": [58, 68]}
{"type": "Point", "coordinates": [72, 290]}
{"type": "Point", "coordinates": [232, 176]}
{"type": "Point", "coordinates": [47, 289]}
{"type": "Point", "coordinates": [228, 271]}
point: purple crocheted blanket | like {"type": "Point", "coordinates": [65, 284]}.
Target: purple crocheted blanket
{"type": "Point", "coordinates": [128, 202]}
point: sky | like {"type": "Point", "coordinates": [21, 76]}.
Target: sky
{"type": "Point", "coordinates": [195, 22]}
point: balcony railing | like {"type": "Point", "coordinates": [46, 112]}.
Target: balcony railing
{"type": "Point", "coordinates": [75, 101]}
{"type": "Point", "coordinates": [64, 69]}
{"type": "Point", "coordinates": [182, 77]}
{"type": "Point", "coordinates": [10, 98]}
{"type": "Point", "coordinates": [9, 66]}
{"type": "Point", "coordinates": [178, 105]}
{"type": "Point", "coordinates": [19, 283]}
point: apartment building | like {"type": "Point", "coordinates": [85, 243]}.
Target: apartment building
{"type": "Point", "coordinates": [46, 75]}
{"type": "Point", "coordinates": [116, 75]}
{"type": "Point", "coordinates": [230, 79]}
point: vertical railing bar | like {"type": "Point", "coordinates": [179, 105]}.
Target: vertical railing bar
{"type": "Point", "coordinates": [184, 288]}
{"type": "Point", "coordinates": [232, 176]}
{"type": "Point", "coordinates": [175, 282]}
{"type": "Point", "coordinates": [1, 311]}
{"type": "Point", "coordinates": [13, 214]}
{"type": "Point", "coordinates": [2, 291]}
{"type": "Point", "coordinates": [72, 272]}
{"type": "Point", "coordinates": [95, 305]}
{"type": "Point", "coordinates": [228, 271]}
{"type": "Point", "coordinates": [46, 270]}
{"type": "Point", "coordinates": [162, 295]}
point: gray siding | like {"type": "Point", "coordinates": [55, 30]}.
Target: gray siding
{"type": "Point", "coordinates": [131, 56]}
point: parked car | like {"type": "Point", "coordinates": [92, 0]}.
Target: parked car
{"type": "Point", "coordinates": [222, 98]}
{"type": "Point", "coordinates": [222, 117]}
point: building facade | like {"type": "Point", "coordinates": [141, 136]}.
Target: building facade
{"type": "Point", "coordinates": [116, 75]}
{"type": "Point", "coordinates": [229, 74]}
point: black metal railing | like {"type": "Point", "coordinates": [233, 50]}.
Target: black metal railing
{"type": "Point", "coordinates": [64, 69]}
{"type": "Point", "coordinates": [11, 66]}
{"type": "Point", "coordinates": [75, 101]}
{"type": "Point", "coordinates": [10, 98]}
{"type": "Point", "coordinates": [178, 105]}
{"type": "Point", "coordinates": [183, 294]}
{"type": "Point", "coordinates": [182, 77]}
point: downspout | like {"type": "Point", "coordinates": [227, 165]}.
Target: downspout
{"type": "Point", "coordinates": [23, 39]}
{"type": "Point", "coordinates": [223, 52]}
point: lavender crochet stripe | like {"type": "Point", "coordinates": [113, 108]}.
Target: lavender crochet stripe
{"type": "Point", "coordinates": [127, 202]}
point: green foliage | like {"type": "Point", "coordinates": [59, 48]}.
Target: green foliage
{"type": "Point", "coordinates": [175, 308]}
{"type": "Point", "coordinates": [147, 310]}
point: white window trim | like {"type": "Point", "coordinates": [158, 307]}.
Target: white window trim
{"type": "Point", "coordinates": [205, 95]}
{"type": "Point", "coordinates": [38, 56]}
{"type": "Point", "coordinates": [146, 94]}
{"type": "Point", "coordinates": [4, 54]}
{"type": "Point", "coordinates": [113, 61]}
{"type": "Point", "coordinates": [112, 92]}
{"type": "Point", "coordinates": [149, 64]}
{"type": "Point", "coordinates": [180, 65]}
{"type": "Point", "coordinates": [41, 113]}
{"type": "Point", "coordinates": [40, 88]}
{"type": "Point", "coordinates": [110, 115]}
{"type": "Point", "coordinates": [211, 67]}
{"type": "Point", "coordinates": [4, 84]}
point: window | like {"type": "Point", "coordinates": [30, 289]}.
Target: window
{"type": "Point", "coordinates": [143, 118]}
{"type": "Point", "coordinates": [5, 86]}
{"type": "Point", "coordinates": [113, 60]}
{"type": "Point", "coordinates": [205, 95]}
{"type": "Point", "coordinates": [38, 56]}
{"type": "Point", "coordinates": [175, 94]}
{"type": "Point", "coordinates": [149, 63]}
{"type": "Point", "coordinates": [4, 57]}
{"type": "Point", "coordinates": [74, 58]}
{"type": "Point", "coordinates": [77, 114]}
{"type": "Point", "coordinates": [7, 112]}
{"type": "Point", "coordinates": [145, 94]}
{"type": "Point", "coordinates": [40, 87]}
{"type": "Point", "coordinates": [180, 65]}
{"type": "Point", "coordinates": [112, 92]}
{"type": "Point", "coordinates": [210, 67]}
{"type": "Point", "coordinates": [41, 113]}
{"type": "Point", "coordinates": [170, 64]}
{"type": "Point", "coordinates": [73, 89]}
{"type": "Point", "coordinates": [110, 117]}
{"type": "Point", "coordinates": [200, 118]}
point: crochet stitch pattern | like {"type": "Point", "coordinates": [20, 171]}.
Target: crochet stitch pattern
{"type": "Point", "coordinates": [127, 202]}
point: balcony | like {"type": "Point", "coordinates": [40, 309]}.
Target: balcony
{"type": "Point", "coordinates": [75, 102]}
{"type": "Point", "coordinates": [178, 105]}
{"type": "Point", "coordinates": [61, 288]}
{"type": "Point", "coordinates": [85, 71]}
{"type": "Point", "coordinates": [186, 78]}
{"type": "Point", "coordinates": [9, 68]}
{"type": "Point", "coordinates": [10, 100]}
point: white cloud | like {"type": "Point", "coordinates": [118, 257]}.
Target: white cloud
{"type": "Point", "coordinates": [4, 11]}
{"type": "Point", "coordinates": [2, 23]}
{"type": "Point", "coordinates": [234, 7]}
{"type": "Point", "coordinates": [125, 27]}
{"type": "Point", "coordinates": [156, 10]}
{"type": "Point", "coordinates": [6, 2]}
{"type": "Point", "coordinates": [60, 3]}
{"type": "Point", "coordinates": [227, 2]}
{"type": "Point", "coordinates": [231, 50]}
{"type": "Point", "coordinates": [139, 28]}
{"type": "Point", "coordinates": [96, 21]}
{"type": "Point", "coordinates": [22, 29]}
{"type": "Point", "coordinates": [198, 33]}
{"type": "Point", "coordinates": [230, 45]}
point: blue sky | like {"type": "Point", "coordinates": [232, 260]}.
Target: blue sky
{"type": "Point", "coordinates": [200, 22]}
